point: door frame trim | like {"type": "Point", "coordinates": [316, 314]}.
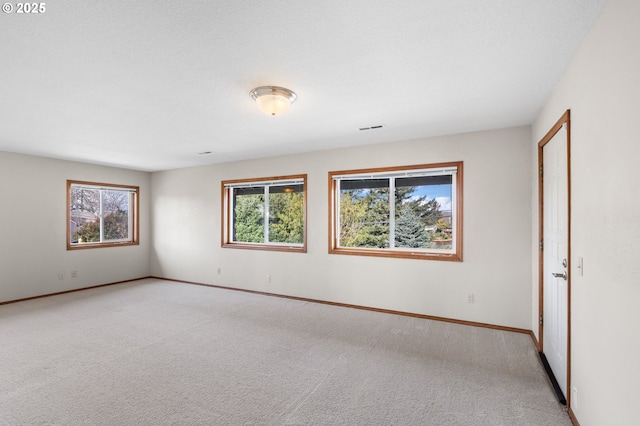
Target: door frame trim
{"type": "Point", "coordinates": [565, 119]}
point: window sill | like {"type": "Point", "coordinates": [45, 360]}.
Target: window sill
{"type": "Point", "coordinates": [100, 245]}
{"type": "Point", "coordinates": [265, 247]}
{"type": "Point", "coordinates": [451, 257]}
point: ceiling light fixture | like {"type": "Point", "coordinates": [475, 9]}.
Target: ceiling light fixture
{"type": "Point", "coordinates": [273, 100]}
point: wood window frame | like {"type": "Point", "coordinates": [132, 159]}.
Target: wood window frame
{"type": "Point", "coordinates": [456, 256]}
{"type": "Point", "coordinates": [134, 209]}
{"type": "Point", "coordinates": [227, 215]}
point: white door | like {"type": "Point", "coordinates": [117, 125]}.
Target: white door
{"type": "Point", "coordinates": [555, 255]}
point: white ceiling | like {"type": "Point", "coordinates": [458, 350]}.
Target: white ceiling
{"type": "Point", "coordinates": [148, 85]}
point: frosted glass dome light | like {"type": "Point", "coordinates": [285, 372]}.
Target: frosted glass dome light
{"type": "Point", "coordinates": [273, 100]}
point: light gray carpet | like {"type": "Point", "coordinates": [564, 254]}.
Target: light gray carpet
{"type": "Point", "coordinates": [153, 352]}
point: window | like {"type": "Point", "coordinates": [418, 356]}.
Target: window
{"type": "Point", "coordinates": [101, 215]}
{"type": "Point", "coordinates": [265, 213]}
{"type": "Point", "coordinates": [410, 211]}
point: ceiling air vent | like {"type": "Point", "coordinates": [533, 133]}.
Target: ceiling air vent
{"type": "Point", "coordinates": [379, 126]}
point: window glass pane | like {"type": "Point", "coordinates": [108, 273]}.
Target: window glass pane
{"type": "Point", "coordinates": [423, 212]}
{"type": "Point", "coordinates": [286, 214]}
{"type": "Point", "coordinates": [115, 215]}
{"type": "Point", "coordinates": [408, 211]}
{"type": "Point", "coordinates": [101, 214]}
{"type": "Point", "coordinates": [84, 218]}
{"type": "Point", "coordinates": [265, 213]}
{"type": "Point", "coordinates": [248, 214]}
{"type": "Point", "coordinates": [364, 213]}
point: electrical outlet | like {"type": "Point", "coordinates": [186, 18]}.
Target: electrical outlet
{"type": "Point", "coordinates": [470, 298]}
{"type": "Point", "coordinates": [74, 274]}
{"type": "Point", "coordinates": [268, 278]}
{"type": "Point", "coordinates": [219, 271]}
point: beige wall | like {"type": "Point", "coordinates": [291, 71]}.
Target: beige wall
{"type": "Point", "coordinates": [602, 89]}
{"type": "Point", "coordinates": [497, 241]}
{"type": "Point", "coordinates": [33, 229]}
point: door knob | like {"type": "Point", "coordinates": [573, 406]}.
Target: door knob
{"type": "Point", "coordinates": [560, 275]}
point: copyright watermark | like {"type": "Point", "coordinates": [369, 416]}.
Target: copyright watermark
{"type": "Point", "coordinates": [30, 8]}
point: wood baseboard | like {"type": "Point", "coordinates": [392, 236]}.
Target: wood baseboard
{"type": "Point", "coordinates": [573, 418]}
{"type": "Point", "coordinates": [304, 299]}
{"type": "Point", "coordinates": [69, 291]}
{"type": "Point", "coordinates": [366, 308]}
